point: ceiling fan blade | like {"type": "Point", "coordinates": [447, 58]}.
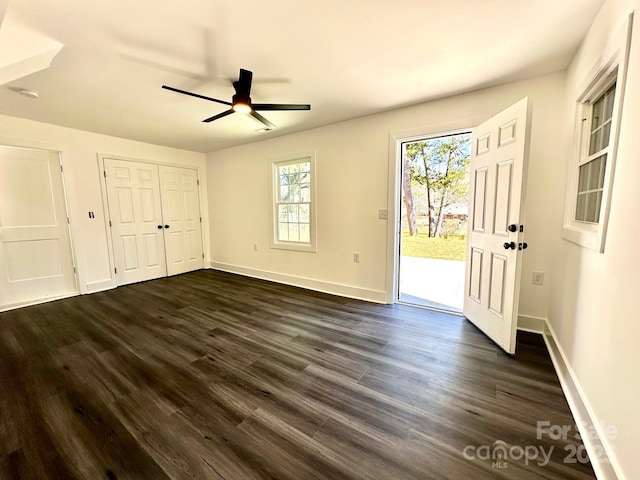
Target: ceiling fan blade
{"type": "Point", "coordinates": [262, 120]}
{"type": "Point", "coordinates": [216, 117]}
{"type": "Point", "coordinates": [245, 79]}
{"type": "Point", "coordinates": [279, 106]}
{"type": "Point", "coordinates": [177, 90]}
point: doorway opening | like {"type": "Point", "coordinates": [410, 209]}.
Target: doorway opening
{"type": "Point", "coordinates": [434, 189]}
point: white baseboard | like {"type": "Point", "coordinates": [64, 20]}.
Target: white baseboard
{"type": "Point", "coordinates": [94, 287]}
{"type": "Point", "coordinates": [531, 324]}
{"type": "Point", "coordinates": [599, 449]}
{"type": "Point", "coordinates": [13, 306]}
{"type": "Point", "coordinates": [376, 296]}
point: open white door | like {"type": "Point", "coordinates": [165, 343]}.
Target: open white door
{"type": "Point", "coordinates": [181, 214]}
{"type": "Point", "coordinates": [135, 213]}
{"type": "Point", "coordinates": [500, 148]}
{"type": "Point", "coordinates": [35, 248]}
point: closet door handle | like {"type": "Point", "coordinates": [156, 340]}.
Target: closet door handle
{"type": "Point", "coordinates": [159, 227]}
{"type": "Point", "coordinates": [166, 226]}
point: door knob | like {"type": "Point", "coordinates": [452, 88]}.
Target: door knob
{"type": "Point", "coordinates": [159, 227]}
{"type": "Point", "coordinates": [512, 228]}
{"type": "Point", "coordinates": [509, 245]}
{"type": "Point", "coordinates": [166, 226]}
{"type": "Point", "coordinates": [522, 246]}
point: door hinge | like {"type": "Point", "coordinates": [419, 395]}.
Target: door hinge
{"type": "Point", "coordinates": [61, 168]}
{"type": "Point", "coordinates": [109, 222]}
{"type": "Point", "coordinates": [203, 255]}
{"type": "Point", "coordinates": [104, 172]}
{"type": "Point", "coordinates": [115, 270]}
{"type": "Point", "coordinates": [74, 270]}
{"type": "Point", "coordinates": [197, 182]}
{"type": "Point", "coordinates": [68, 221]}
{"type": "Point", "coordinates": [200, 219]}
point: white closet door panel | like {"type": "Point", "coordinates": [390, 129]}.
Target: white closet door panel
{"type": "Point", "coordinates": [181, 211]}
{"type": "Point", "coordinates": [133, 195]}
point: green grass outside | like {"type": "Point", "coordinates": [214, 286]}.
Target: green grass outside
{"type": "Point", "coordinates": [441, 248]}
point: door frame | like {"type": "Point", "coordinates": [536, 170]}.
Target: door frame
{"type": "Point", "coordinates": [394, 204]}
{"type": "Point", "coordinates": [76, 269]}
{"type": "Point", "coordinates": [204, 231]}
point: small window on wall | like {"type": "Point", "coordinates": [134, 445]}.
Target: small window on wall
{"type": "Point", "coordinates": [593, 162]}
{"type": "Point", "coordinates": [293, 203]}
{"type": "Point", "coordinates": [598, 114]}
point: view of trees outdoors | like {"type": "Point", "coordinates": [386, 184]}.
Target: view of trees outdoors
{"type": "Point", "coordinates": [435, 185]}
{"type": "Point", "coordinates": [435, 188]}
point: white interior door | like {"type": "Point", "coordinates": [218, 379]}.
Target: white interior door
{"type": "Point", "coordinates": [135, 213]}
{"type": "Point", "coordinates": [36, 262]}
{"type": "Point", "coordinates": [496, 193]}
{"type": "Point", "coordinates": [182, 222]}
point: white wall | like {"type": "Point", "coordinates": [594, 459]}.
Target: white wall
{"type": "Point", "coordinates": [595, 298]}
{"type": "Point", "coordinates": [79, 152]}
{"type": "Point", "coordinates": [352, 180]}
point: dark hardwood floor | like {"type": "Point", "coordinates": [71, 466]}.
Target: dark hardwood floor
{"type": "Point", "coordinates": [214, 376]}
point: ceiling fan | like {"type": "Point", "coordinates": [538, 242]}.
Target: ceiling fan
{"type": "Point", "coordinates": [241, 101]}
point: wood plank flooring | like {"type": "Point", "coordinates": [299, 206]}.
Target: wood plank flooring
{"type": "Point", "coordinates": [209, 375]}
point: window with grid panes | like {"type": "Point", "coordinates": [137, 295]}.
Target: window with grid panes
{"type": "Point", "coordinates": [293, 204]}
{"type": "Point", "coordinates": [599, 106]}
{"type": "Point", "coordinates": [594, 160]}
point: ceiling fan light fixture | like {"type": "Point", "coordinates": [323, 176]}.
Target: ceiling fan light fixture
{"type": "Point", "coordinates": [241, 102]}
{"type": "Point", "coordinates": [242, 107]}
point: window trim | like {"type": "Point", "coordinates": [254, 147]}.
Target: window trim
{"type": "Point", "coordinates": [611, 68]}
{"type": "Point", "coordinates": [290, 160]}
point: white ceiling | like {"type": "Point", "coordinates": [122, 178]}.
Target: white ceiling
{"type": "Point", "coordinates": [347, 58]}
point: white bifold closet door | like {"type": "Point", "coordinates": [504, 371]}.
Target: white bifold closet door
{"type": "Point", "coordinates": [154, 215]}
{"type": "Point", "coordinates": [36, 262]}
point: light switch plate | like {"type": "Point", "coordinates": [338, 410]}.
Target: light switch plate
{"type": "Point", "coordinates": [538, 278]}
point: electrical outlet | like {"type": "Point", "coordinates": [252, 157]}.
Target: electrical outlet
{"type": "Point", "coordinates": [383, 214]}
{"type": "Point", "coordinates": [538, 278]}
{"type": "Point", "coordinates": [356, 257]}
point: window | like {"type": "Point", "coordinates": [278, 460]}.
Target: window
{"type": "Point", "coordinates": [293, 213]}
{"type": "Point", "coordinates": [593, 161]}
{"type": "Point", "coordinates": [598, 114]}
